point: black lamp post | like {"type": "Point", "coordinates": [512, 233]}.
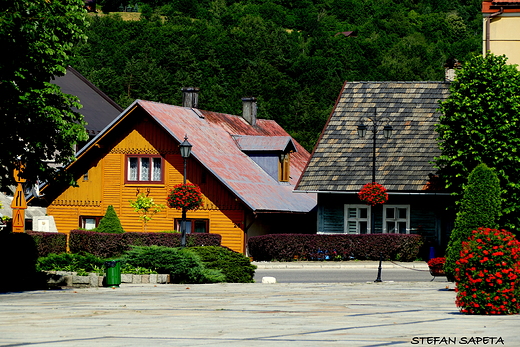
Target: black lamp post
{"type": "Point", "coordinates": [185, 148]}
{"type": "Point", "coordinates": [387, 133]}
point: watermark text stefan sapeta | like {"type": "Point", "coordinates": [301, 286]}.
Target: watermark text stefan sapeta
{"type": "Point", "coordinates": [464, 340]}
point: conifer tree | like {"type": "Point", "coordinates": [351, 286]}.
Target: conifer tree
{"type": "Point", "coordinates": [479, 207]}
{"type": "Point", "coordinates": [110, 223]}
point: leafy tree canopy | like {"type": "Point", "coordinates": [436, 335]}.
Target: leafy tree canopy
{"type": "Point", "coordinates": [480, 122]}
{"type": "Point", "coordinates": [38, 125]}
{"type": "Point", "coordinates": [292, 55]}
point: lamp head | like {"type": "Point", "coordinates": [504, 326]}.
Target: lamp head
{"type": "Point", "coordinates": [185, 147]}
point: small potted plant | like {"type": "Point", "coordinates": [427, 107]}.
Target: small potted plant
{"type": "Point", "coordinates": [436, 266]}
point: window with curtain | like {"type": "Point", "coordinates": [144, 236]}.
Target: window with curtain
{"type": "Point", "coordinates": [192, 225]}
{"type": "Point", "coordinates": [144, 169]}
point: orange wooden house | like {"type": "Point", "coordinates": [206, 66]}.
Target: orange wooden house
{"type": "Point", "coordinates": [246, 169]}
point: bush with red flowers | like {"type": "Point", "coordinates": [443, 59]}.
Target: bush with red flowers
{"type": "Point", "coordinates": [487, 273]}
{"type": "Point", "coordinates": [373, 194]}
{"type": "Point", "coordinates": [185, 196]}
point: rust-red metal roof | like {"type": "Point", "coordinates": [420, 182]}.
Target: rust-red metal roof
{"type": "Point", "coordinates": [214, 146]}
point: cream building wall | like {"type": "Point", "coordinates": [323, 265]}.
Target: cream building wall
{"type": "Point", "coordinates": [504, 36]}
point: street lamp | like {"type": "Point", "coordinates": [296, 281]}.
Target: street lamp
{"type": "Point", "coordinates": [185, 148]}
{"type": "Point", "coordinates": [387, 133]}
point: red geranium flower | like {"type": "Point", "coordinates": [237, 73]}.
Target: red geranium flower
{"type": "Point", "coordinates": [373, 194]}
{"type": "Point", "coordinates": [185, 196]}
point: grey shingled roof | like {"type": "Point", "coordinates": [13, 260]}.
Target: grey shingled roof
{"type": "Point", "coordinates": [98, 109]}
{"type": "Point", "coordinates": [343, 162]}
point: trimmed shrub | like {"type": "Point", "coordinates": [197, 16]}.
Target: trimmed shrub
{"type": "Point", "coordinates": [479, 207]}
{"type": "Point", "coordinates": [288, 247]}
{"type": "Point", "coordinates": [47, 243]}
{"type": "Point", "coordinates": [18, 254]}
{"type": "Point", "coordinates": [80, 263]}
{"type": "Point", "coordinates": [99, 244]}
{"type": "Point", "coordinates": [183, 265]}
{"type": "Point", "coordinates": [487, 274]}
{"type": "Point", "coordinates": [236, 267]}
{"type": "Point", "coordinates": [110, 223]}
{"type": "Point", "coordinates": [113, 245]}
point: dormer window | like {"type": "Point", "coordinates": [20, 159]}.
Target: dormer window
{"type": "Point", "coordinates": [271, 153]}
{"type": "Point", "coordinates": [284, 167]}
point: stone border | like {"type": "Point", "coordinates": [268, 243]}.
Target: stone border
{"type": "Point", "coordinates": [71, 279]}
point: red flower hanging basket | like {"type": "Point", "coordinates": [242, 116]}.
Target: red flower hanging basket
{"type": "Point", "coordinates": [185, 196]}
{"type": "Point", "coordinates": [373, 194]}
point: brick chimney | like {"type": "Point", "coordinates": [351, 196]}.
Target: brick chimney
{"type": "Point", "coordinates": [190, 97]}
{"type": "Point", "coordinates": [450, 69]}
{"type": "Point", "coordinates": [249, 110]}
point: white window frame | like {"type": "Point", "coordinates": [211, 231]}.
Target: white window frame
{"type": "Point", "coordinates": [154, 174]}
{"type": "Point", "coordinates": [356, 219]}
{"type": "Point", "coordinates": [396, 219]}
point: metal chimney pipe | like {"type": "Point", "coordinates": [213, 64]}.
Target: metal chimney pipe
{"type": "Point", "coordinates": [249, 110]}
{"type": "Point", "coordinates": [190, 97]}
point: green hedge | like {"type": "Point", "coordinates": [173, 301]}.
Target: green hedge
{"type": "Point", "coordinates": [183, 265]}
{"type": "Point", "coordinates": [235, 266]}
{"type": "Point", "coordinates": [47, 243]}
{"type": "Point", "coordinates": [288, 247]}
{"type": "Point", "coordinates": [18, 255]}
{"type": "Point", "coordinates": [112, 245]}
{"type": "Point", "coordinates": [81, 263]}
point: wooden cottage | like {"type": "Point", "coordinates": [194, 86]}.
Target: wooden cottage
{"type": "Point", "coordinates": [342, 162]}
{"type": "Point", "coordinates": [246, 168]}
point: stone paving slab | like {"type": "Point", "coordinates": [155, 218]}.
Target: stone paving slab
{"type": "Point", "coordinates": [256, 314]}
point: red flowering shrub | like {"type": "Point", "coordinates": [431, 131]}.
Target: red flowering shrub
{"type": "Point", "coordinates": [487, 273]}
{"type": "Point", "coordinates": [373, 194]}
{"type": "Point", "coordinates": [187, 196]}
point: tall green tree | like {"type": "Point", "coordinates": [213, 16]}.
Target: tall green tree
{"type": "Point", "coordinates": [38, 125]}
{"type": "Point", "coordinates": [480, 122]}
{"type": "Point", "coordinates": [480, 207]}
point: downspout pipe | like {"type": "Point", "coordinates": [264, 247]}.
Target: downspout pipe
{"type": "Point", "coordinates": [488, 26]}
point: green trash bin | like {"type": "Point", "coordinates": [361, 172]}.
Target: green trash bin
{"type": "Point", "coordinates": [113, 273]}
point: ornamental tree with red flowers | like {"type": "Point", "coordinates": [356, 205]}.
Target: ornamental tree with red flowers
{"type": "Point", "coordinates": [487, 274]}
{"type": "Point", "coordinates": [373, 194]}
{"type": "Point", "coordinates": [185, 196]}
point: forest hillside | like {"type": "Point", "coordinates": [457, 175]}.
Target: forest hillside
{"type": "Point", "coordinates": [294, 56]}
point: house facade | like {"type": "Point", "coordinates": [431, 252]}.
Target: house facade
{"type": "Point", "coordinates": [500, 35]}
{"type": "Point", "coordinates": [246, 168]}
{"type": "Point", "coordinates": [342, 162]}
